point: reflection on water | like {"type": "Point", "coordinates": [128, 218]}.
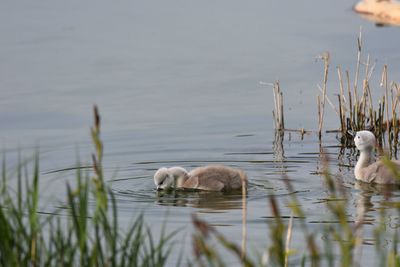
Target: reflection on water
{"type": "Point", "coordinates": [279, 152]}
{"type": "Point", "coordinates": [212, 201]}
{"type": "Point", "coordinates": [364, 199]}
{"type": "Point", "coordinates": [372, 203]}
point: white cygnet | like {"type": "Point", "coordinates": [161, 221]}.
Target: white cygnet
{"type": "Point", "coordinates": [210, 178]}
{"type": "Point", "coordinates": [367, 170]}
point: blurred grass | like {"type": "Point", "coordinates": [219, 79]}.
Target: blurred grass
{"type": "Point", "coordinates": [84, 238]}
{"type": "Point", "coordinates": [335, 244]}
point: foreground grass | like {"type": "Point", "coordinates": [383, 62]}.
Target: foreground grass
{"type": "Point", "coordinates": [86, 237]}
{"type": "Point", "coordinates": [91, 235]}
{"type": "Point", "coordinates": [29, 238]}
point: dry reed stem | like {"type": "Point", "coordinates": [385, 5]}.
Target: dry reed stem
{"type": "Point", "coordinates": [244, 219]}
{"type": "Point", "coordinates": [356, 106]}
{"type": "Point", "coordinates": [277, 113]}
{"type": "Point", "coordinates": [321, 110]}
{"type": "Point", "coordinates": [359, 46]}
{"type": "Point", "coordinates": [385, 81]}
{"type": "Point", "coordinates": [288, 240]}
{"type": "Point", "coordinates": [357, 112]}
{"type": "Point", "coordinates": [361, 210]}
{"type": "Point", "coordinates": [329, 101]}
{"type": "Point", "coordinates": [342, 102]}
{"type": "Point", "coordinates": [350, 96]}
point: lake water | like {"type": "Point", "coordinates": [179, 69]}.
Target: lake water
{"type": "Point", "coordinates": [178, 83]}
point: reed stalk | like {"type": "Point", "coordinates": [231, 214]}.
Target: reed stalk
{"type": "Point", "coordinates": [244, 219]}
{"type": "Point", "coordinates": [321, 102]}
{"type": "Point", "coordinates": [342, 102]}
{"type": "Point", "coordinates": [277, 113]}
{"type": "Point", "coordinates": [357, 112]}
{"type": "Point", "coordinates": [288, 239]}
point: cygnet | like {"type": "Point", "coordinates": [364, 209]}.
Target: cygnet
{"type": "Point", "coordinates": [210, 178]}
{"type": "Point", "coordinates": [367, 170]}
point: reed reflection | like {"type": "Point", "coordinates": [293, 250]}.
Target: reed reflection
{"type": "Point", "coordinates": [213, 201]}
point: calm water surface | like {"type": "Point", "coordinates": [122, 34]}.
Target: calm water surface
{"type": "Point", "coordinates": [177, 83]}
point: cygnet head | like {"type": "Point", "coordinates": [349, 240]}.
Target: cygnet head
{"type": "Point", "coordinates": [170, 177]}
{"type": "Point", "coordinates": [364, 140]}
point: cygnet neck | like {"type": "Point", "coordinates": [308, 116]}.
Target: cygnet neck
{"type": "Point", "coordinates": [181, 180]}
{"type": "Point", "coordinates": [365, 159]}
{"type": "Point", "coordinates": [180, 175]}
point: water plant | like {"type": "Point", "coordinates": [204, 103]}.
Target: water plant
{"type": "Point", "coordinates": [277, 113]}
{"type": "Point", "coordinates": [77, 234]}
{"type": "Point", "coordinates": [355, 109]}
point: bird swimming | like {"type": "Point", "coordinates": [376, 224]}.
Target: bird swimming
{"type": "Point", "coordinates": [209, 178]}
{"type": "Point", "coordinates": [368, 170]}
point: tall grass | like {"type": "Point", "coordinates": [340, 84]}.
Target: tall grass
{"type": "Point", "coordinates": [86, 237]}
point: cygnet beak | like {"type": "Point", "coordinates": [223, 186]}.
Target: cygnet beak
{"type": "Point", "coordinates": [158, 188]}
